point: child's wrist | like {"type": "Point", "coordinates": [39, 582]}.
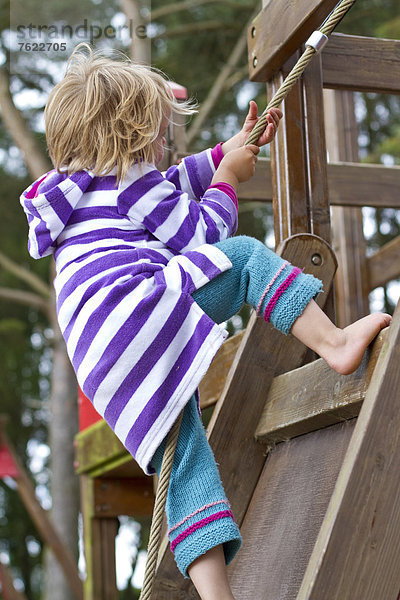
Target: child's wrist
{"type": "Point", "coordinates": [225, 175]}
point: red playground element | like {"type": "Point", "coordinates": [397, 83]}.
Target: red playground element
{"type": "Point", "coordinates": [8, 468]}
{"type": "Point", "coordinates": [87, 413]}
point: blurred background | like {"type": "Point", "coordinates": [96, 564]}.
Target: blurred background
{"type": "Point", "coordinates": [192, 41]}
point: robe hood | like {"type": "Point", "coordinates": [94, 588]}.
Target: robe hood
{"type": "Point", "coordinates": [48, 204]}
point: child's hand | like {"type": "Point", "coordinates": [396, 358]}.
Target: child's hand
{"type": "Point", "coordinates": [273, 117]}
{"type": "Point", "coordinates": [237, 166]}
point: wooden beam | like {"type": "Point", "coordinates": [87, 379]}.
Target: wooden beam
{"type": "Point", "coordinates": [114, 497]}
{"type": "Point", "coordinates": [279, 30]}
{"type": "Point", "coordinates": [99, 546]}
{"type": "Point", "coordinates": [350, 184]}
{"type": "Point", "coordinates": [384, 265]}
{"type": "Point", "coordinates": [351, 282]}
{"type": "Point", "coordinates": [351, 62]}
{"type": "Point", "coordinates": [288, 164]}
{"type": "Point", "coordinates": [315, 396]}
{"type": "Point", "coordinates": [98, 450]}
{"type": "Point", "coordinates": [357, 548]}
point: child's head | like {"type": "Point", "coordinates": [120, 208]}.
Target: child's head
{"type": "Point", "coordinates": [107, 113]}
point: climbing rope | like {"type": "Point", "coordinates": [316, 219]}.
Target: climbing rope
{"type": "Point", "coordinates": [313, 45]}
{"type": "Point", "coordinates": [159, 508]}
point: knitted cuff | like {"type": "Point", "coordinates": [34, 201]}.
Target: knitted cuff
{"type": "Point", "coordinates": [203, 534]}
{"type": "Point", "coordinates": [287, 295]}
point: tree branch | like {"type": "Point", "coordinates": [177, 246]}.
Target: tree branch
{"type": "Point", "coordinates": [175, 7]}
{"type": "Point", "coordinates": [26, 298]}
{"type": "Point", "coordinates": [16, 126]}
{"type": "Point", "coordinates": [192, 27]}
{"type": "Point", "coordinates": [218, 85]}
{"type": "Point", "coordinates": [30, 278]}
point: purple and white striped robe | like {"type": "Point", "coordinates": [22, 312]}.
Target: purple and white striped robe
{"type": "Point", "coordinates": [127, 261]}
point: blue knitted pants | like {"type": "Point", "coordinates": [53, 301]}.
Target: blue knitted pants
{"type": "Point", "coordinates": [198, 513]}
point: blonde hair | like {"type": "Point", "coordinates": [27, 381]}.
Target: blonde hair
{"type": "Point", "coordinates": [107, 113]}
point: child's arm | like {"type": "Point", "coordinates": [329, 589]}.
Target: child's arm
{"type": "Point", "coordinates": [180, 222]}
{"type": "Point", "coordinates": [194, 173]}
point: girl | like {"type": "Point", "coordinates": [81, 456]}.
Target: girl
{"type": "Point", "coordinates": [147, 269]}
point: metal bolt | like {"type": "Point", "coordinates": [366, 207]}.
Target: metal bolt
{"type": "Point", "coordinates": [316, 260]}
{"type": "Point", "coordinates": [255, 61]}
{"type": "Point", "coordinates": [253, 32]}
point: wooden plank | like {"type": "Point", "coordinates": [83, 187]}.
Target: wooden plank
{"type": "Point", "coordinates": [114, 497]}
{"type": "Point", "coordinates": [279, 30]}
{"type": "Point", "coordinates": [359, 63]}
{"type": "Point", "coordinates": [99, 547]}
{"type": "Point", "coordinates": [285, 515]}
{"type": "Point", "coordinates": [315, 155]}
{"type": "Point", "coordinates": [96, 446]}
{"type": "Point", "coordinates": [212, 385]}
{"type": "Point", "coordinates": [357, 548]}
{"type": "Point", "coordinates": [352, 184]}
{"type": "Point", "coordinates": [288, 160]}
{"type": "Point", "coordinates": [315, 396]}
{"type": "Point", "coordinates": [344, 179]}
{"type": "Point", "coordinates": [298, 159]}
{"type": "Point", "coordinates": [262, 354]}
{"type": "Point", "coordinates": [351, 283]}
{"type": "Point", "coordinates": [384, 265]}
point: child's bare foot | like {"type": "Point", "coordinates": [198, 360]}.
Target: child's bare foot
{"type": "Point", "coordinates": [346, 347]}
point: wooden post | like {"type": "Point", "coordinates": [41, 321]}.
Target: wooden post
{"type": "Point", "coordinates": [351, 283]}
{"type": "Point", "coordinates": [357, 551]}
{"type": "Point", "coordinates": [43, 523]}
{"type": "Point", "coordinates": [298, 159]}
{"type": "Point", "coordinates": [99, 543]}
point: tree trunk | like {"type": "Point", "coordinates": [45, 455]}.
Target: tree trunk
{"type": "Point", "coordinates": [64, 406]}
{"type": "Point", "coordinates": [140, 43]}
{"type": "Point", "coordinates": [64, 481]}
{"type": "Point", "coordinates": [16, 126]}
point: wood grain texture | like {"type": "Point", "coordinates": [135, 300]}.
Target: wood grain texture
{"type": "Point", "coordinates": [315, 396]}
{"type": "Point", "coordinates": [357, 63]}
{"type": "Point", "coordinates": [357, 548]}
{"type": "Point", "coordinates": [351, 282]}
{"type": "Point", "coordinates": [263, 352]}
{"type": "Point", "coordinates": [349, 184]}
{"type": "Point", "coordinates": [288, 163]}
{"type": "Point", "coordinates": [285, 514]}
{"type": "Point", "coordinates": [384, 265]}
{"type": "Point", "coordinates": [212, 385]}
{"type": "Point", "coordinates": [352, 184]}
{"type": "Point", "coordinates": [132, 497]}
{"type": "Point", "coordinates": [279, 30]}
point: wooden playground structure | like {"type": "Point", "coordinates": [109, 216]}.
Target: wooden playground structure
{"type": "Point", "coordinates": [310, 459]}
